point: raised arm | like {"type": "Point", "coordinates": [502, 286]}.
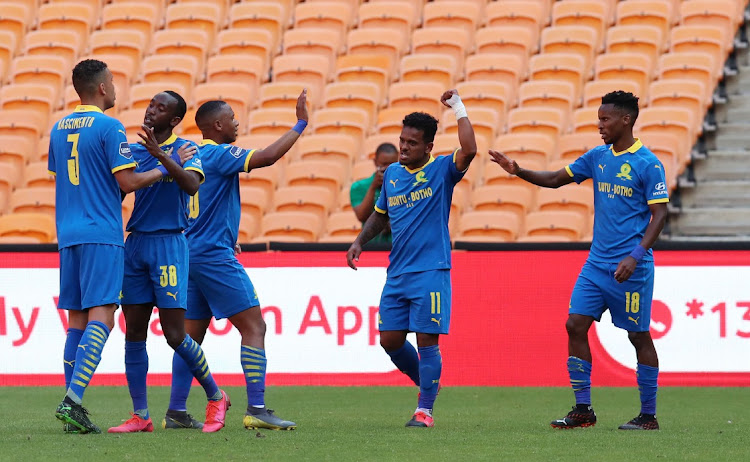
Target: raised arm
{"type": "Point", "coordinates": [466, 138]}
{"type": "Point", "coordinates": [658, 217]}
{"type": "Point", "coordinates": [539, 178]}
{"type": "Point", "coordinates": [188, 181]}
{"type": "Point", "coordinates": [274, 151]}
{"type": "Point", "coordinates": [372, 227]}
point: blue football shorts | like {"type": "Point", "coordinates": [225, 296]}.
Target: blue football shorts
{"type": "Point", "coordinates": [90, 275]}
{"type": "Point", "coordinates": [629, 302]}
{"type": "Point", "coordinates": [220, 289]}
{"type": "Point", "coordinates": [156, 270]}
{"type": "Point", "coordinates": [417, 302]}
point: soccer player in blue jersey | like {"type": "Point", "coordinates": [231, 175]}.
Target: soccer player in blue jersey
{"type": "Point", "coordinates": [156, 265]}
{"type": "Point", "coordinates": [92, 155]}
{"type": "Point", "coordinates": [218, 284]}
{"type": "Point", "coordinates": [630, 208]}
{"type": "Point", "coordinates": [416, 197]}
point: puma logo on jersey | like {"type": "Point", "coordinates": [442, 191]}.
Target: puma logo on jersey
{"type": "Point", "coordinates": [393, 182]}
{"type": "Point", "coordinates": [601, 167]}
{"type": "Point", "coordinates": [635, 320]}
{"type": "Point", "coordinates": [437, 321]}
{"type": "Point", "coordinates": [173, 295]}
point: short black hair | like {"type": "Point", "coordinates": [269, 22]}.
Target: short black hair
{"type": "Point", "coordinates": [422, 121]}
{"type": "Point", "coordinates": [87, 75]}
{"type": "Point", "coordinates": [623, 100]}
{"type": "Point", "coordinates": [208, 109]}
{"type": "Point", "coordinates": [181, 108]}
{"type": "Point", "coordinates": [386, 148]}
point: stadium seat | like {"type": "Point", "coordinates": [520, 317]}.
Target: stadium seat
{"type": "Point", "coordinates": [580, 40]}
{"type": "Point", "coordinates": [461, 14]}
{"type": "Point", "coordinates": [182, 42]}
{"type": "Point", "coordinates": [312, 70]}
{"type": "Point", "coordinates": [128, 43]}
{"type": "Point", "coordinates": [500, 226]}
{"type": "Point", "coordinates": [247, 42]}
{"type": "Point", "coordinates": [574, 198]}
{"type": "Point", "coordinates": [9, 180]}
{"type": "Point", "coordinates": [548, 121]}
{"type": "Point", "coordinates": [132, 16]}
{"type": "Point", "coordinates": [48, 70]}
{"type": "Point", "coordinates": [282, 225]}
{"type": "Point", "coordinates": [417, 96]}
{"type": "Point", "coordinates": [373, 141]}
{"type": "Point", "coordinates": [311, 199]}
{"type": "Point", "coordinates": [35, 200]}
{"type": "Point", "coordinates": [253, 202]}
{"type": "Point", "coordinates": [567, 67]}
{"type": "Point", "coordinates": [341, 227]}
{"type": "Point", "coordinates": [7, 51]}
{"type": "Point", "coordinates": [16, 150]}
{"type": "Point", "coordinates": [15, 20]}
{"type": "Point", "coordinates": [534, 146]}
{"type": "Point", "coordinates": [573, 145]}
{"type": "Point", "coordinates": [238, 95]}
{"type": "Point", "coordinates": [664, 146]}
{"type": "Point", "coordinates": [362, 169]}
{"type": "Point", "coordinates": [545, 93]}
{"type": "Point", "coordinates": [700, 39]}
{"type": "Point", "coordinates": [248, 229]}
{"type": "Point", "coordinates": [341, 149]}
{"type": "Point", "coordinates": [313, 41]}
{"type": "Point", "coordinates": [319, 173]}
{"type": "Point", "coordinates": [390, 122]}
{"type": "Point", "coordinates": [40, 98]}
{"type": "Point", "coordinates": [564, 224]}
{"type": "Point", "coordinates": [655, 13]}
{"type": "Point", "coordinates": [646, 40]}
{"type": "Point", "coordinates": [205, 16]}
{"type": "Point", "coordinates": [428, 67]}
{"type": "Point", "coordinates": [697, 66]}
{"type": "Point", "coordinates": [717, 13]}
{"type": "Point", "coordinates": [71, 99]}
{"type": "Point", "coordinates": [281, 95]}
{"type": "Point", "coordinates": [378, 41]}
{"type": "Point", "coordinates": [36, 175]}
{"type": "Point", "coordinates": [247, 70]}
{"type": "Point", "coordinates": [266, 178]}
{"type": "Point", "coordinates": [486, 94]}
{"type": "Point", "coordinates": [364, 68]}
{"type": "Point", "coordinates": [132, 119]}
{"type": "Point", "coordinates": [361, 95]}
{"type": "Point", "coordinates": [677, 121]}
{"type": "Point", "coordinates": [508, 40]}
{"type": "Point", "coordinates": [592, 14]}
{"type": "Point", "coordinates": [268, 16]}
{"type": "Point", "coordinates": [518, 13]}
{"type": "Point", "coordinates": [396, 15]}
{"type": "Point", "coordinates": [270, 121]}
{"type": "Point", "coordinates": [169, 69]}
{"type": "Point", "coordinates": [485, 121]}
{"type": "Point", "coordinates": [141, 94]}
{"type": "Point", "coordinates": [451, 41]}
{"type": "Point", "coordinates": [351, 122]}
{"type": "Point", "coordinates": [336, 16]}
{"type": "Point", "coordinates": [595, 89]}
{"type": "Point", "coordinates": [690, 94]}
{"type": "Point", "coordinates": [63, 43]}
{"type": "Point", "coordinates": [72, 16]}
{"type": "Point", "coordinates": [41, 153]}
{"type": "Point", "coordinates": [586, 120]}
{"type": "Point", "coordinates": [516, 198]}
{"type": "Point", "coordinates": [39, 226]}
{"type": "Point", "coordinates": [625, 66]}
{"type": "Point", "coordinates": [495, 175]}
{"type": "Point", "coordinates": [24, 123]}
{"type": "Point", "coordinates": [508, 70]}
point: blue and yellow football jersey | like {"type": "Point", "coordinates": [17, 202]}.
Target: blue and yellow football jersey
{"type": "Point", "coordinates": [163, 205]}
{"type": "Point", "coordinates": [418, 203]}
{"type": "Point", "coordinates": [86, 148]}
{"type": "Point", "coordinates": [625, 183]}
{"type": "Point", "coordinates": [214, 212]}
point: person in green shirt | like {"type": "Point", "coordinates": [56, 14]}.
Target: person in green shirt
{"type": "Point", "coordinates": [365, 192]}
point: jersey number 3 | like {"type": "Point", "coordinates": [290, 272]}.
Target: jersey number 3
{"type": "Point", "coordinates": [73, 171]}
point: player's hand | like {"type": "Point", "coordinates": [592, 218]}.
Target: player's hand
{"type": "Point", "coordinates": [148, 140]}
{"type": "Point", "coordinates": [352, 255]}
{"type": "Point", "coordinates": [446, 96]}
{"type": "Point", "coordinates": [186, 152]}
{"type": "Point", "coordinates": [237, 249]}
{"type": "Point", "coordinates": [378, 180]}
{"type": "Point", "coordinates": [302, 106]}
{"type": "Point", "coordinates": [509, 165]}
{"type": "Point", "coordinates": [625, 269]}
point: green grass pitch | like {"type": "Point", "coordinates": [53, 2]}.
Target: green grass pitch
{"type": "Point", "coordinates": [367, 423]}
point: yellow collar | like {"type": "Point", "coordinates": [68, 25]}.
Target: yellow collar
{"type": "Point", "coordinates": [632, 149]}
{"type": "Point", "coordinates": [169, 140]}
{"type": "Point", "coordinates": [432, 159]}
{"type": "Point", "coordinates": [205, 142]}
{"type": "Point", "coordinates": [87, 108]}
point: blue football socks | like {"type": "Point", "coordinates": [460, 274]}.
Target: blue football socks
{"type": "Point", "coordinates": [407, 361]}
{"type": "Point", "coordinates": [182, 380]}
{"type": "Point", "coordinates": [192, 354]}
{"type": "Point", "coordinates": [136, 369]}
{"type": "Point", "coordinates": [430, 368]}
{"type": "Point", "coordinates": [88, 355]}
{"type": "Point", "coordinates": [580, 379]}
{"type": "Point", "coordinates": [69, 353]}
{"type": "Point", "coordinates": [253, 362]}
{"type": "Point", "coordinates": [647, 377]}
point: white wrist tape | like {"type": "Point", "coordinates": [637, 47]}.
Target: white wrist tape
{"type": "Point", "coordinates": [457, 105]}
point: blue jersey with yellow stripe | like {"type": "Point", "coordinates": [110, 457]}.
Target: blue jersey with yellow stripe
{"type": "Point", "coordinates": [163, 205]}
{"type": "Point", "coordinates": [85, 149]}
{"type": "Point", "coordinates": [214, 212]}
{"type": "Point", "coordinates": [625, 184]}
{"type": "Point", "coordinates": [418, 203]}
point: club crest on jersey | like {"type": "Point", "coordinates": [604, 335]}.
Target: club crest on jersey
{"type": "Point", "coordinates": [420, 178]}
{"type": "Point", "coordinates": [125, 150]}
{"type": "Point", "coordinates": [235, 151]}
{"type": "Point", "coordinates": [625, 170]}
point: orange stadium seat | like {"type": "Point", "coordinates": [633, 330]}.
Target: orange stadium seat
{"type": "Point", "coordinates": [24, 123]}
{"type": "Point", "coordinates": [16, 19]}
{"type": "Point", "coordinates": [248, 229]}
{"type": "Point", "coordinates": [696, 66]}
{"type": "Point", "coordinates": [547, 93]}
{"type": "Point", "coordinates": [362, 95]}
{"type": "Point", "coordinates": [655, 13]}
{"type": "Point", "coordinates": [417, 96]}
{"type": "Point", "coordinates": [494, 174]}
{"type": "Point", "coordinates": [266, 178]}
{"type": "Point", "coordinates": [507, 40]}
{"type": "Point", "coordinates": [485, 121]}
{"type": "Point", "coordinates": [341, 149]}
{"type": "Point", "coordinates": [39, 226]}
{"type": "Point", "coordinates": [281, 95]}
{"type": "Point", "coordinates": [73, 16]}
{"type": "Point", "coordinates": [373, 141]}
{"type": "Point", "coordinates": [344, 202]}
{"type": "Point", "coordinates": [95, 5]}
{"type": "Point", "coordinates": [497, 226]}
{"type": "Point", "coordinates": [238, 95]}
{"type": "Point", "coordinates": [389, 123]}
{"type": "Point", "coordinates": [8, 181]}
{"type": "Point", "coordinates": [270, 121]}
{"type": "Point", "coordinates": [574, 198]}
{"type": "Point", "coordinates": [268, 16]}
{"type": "Point", "coordinates": [573, 145]}
{"type": "Point", "coordinates": [646, 40]}
{"type": "Point", "coordinates": [7, 51]}
{"type": "Point", "coordinates": [311, 199]}
{"type": "Point", "coordinates": [548, 121]}
{"type": "Point", "coordinates": [169, 69]}
{"type": "Point", "coordinates": [247, 42]}
{"type": "Point", "coordinates": [41, 153]}
{"type": "Point", "coordinates": [284, 225]}
{"type": "Point", "coordinates": [690, 94]}
{"type": "Point", "coordinates": [452, 13]}
{"type": "Point", "coordinates": [625, 66]}
{"type": "Point", "coordinates": [364, 68]}
{"type": "Point", "coordinates": [182, 42]}
{"type": "Point", "coordinates": [141, 94]}
{"type": "Point", "coordinates": [48, 70]}
{"type": "Point", "coordinates": [336, 16]}
{"type": "Point", "coordinates": [313, 41]}
{"type": "Point", "coordinates": [520, 13]}
{"type": "Point", "coordinates": [586, 120]}
{"type": "Point", "coordinates": [128, 43]}
{"type": "Point", "coordinates": [717, 13]}
{"type": "Point", "coordinates": [35, 200]}
{"type": "Point", "coordinates": [362, 169]}
{"type": "Point", "coordinates": [428, 67]}
{"type": "Point", "coordinates": [132, 119]}
{"type": "Point", "coordinates": [312, 70]}
{"type": "Point", "coordinates": [352, 122]}
{"type": "Point", "coordinates": [253, 202]}
{"type": "Point", "coordinates": [674, 120]}
{"type": "Point", "coordinates": [40, 98]}
{"type": "Point", "coordinates": [565, 225]}
{"type": "Point", "coordinates": [205, 16]}
{"type": "Point", "coordinates": [516, 198]}
{"type": "Point", "coordinates": [341, 227]}
{"type": "Point", "coordinates": [452, 41]}
{"type": "Point", "coordinates": [505, 69]}
{"type": "Point", "coordinates": [521, 147]}
{"type": "Point", "coordinates": [71, 99]}
{"type": "Point", "coordinates": [560, 66]}
{"type": "Point", "coordinates": [396, 15]}
{"type": "Point", "coordinates": [247, 70]}
{"type": "Point", "coordinates": [321, 173]}
{"type": "Point", "coordinates": [580, 40]}
{"type": "Point", "coordinates": [62, 43]}
{"type": "Point", "coordinates": [592, 14]}
{"type": "Point", "coordinates": [132, 16]}
{"type": "Point", "coordinates": [664, 146]}
{"type": "Point", "coordinates": [16, 150]}
{"type": "Point", "coordinates": [487, 94]}
{"type": "Point", "coordinates": [701, 39]}
{"type": "Point", "coordinates": [595, 89]}
{"type": "Point", "coordinates": [378, 41]}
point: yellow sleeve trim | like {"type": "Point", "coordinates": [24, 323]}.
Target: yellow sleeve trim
{"type": "Point", "coordinates": [567, 169]}
{"type": "Point", "coordinates": [658, 201]}
{"type": "Point", "coordinates": [247, 160]}
{"type": "Point", "coordinates": [203, 176]}
{"type": "Point", "coordinates": [379, 210]}
{"type": "Point", "coordinates": [52, 173]}
{"type": "Point", "coordinates": [123, 167]}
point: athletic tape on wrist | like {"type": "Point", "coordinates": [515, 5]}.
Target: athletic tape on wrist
{"type": "Point", "coordinates": [299, 127]}
{"type": "Point", "coordinates": [638, 252]}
